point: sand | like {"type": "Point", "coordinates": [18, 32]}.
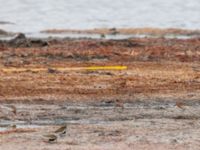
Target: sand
{"type": "Point", "coordinates": [133, 108]}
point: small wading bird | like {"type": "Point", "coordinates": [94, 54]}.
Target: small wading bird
{"type": "Point", "coordinates": [183, 107]}
{"type": "Point", "coordinates": [9, 108]}
{"type": "Point", "coordinates": [61, 131]}
{"type": "Point", "coordinates": [13, 126]}
{"type": "Point", "coordinates": [14, 109]}
{"type": "Point", "coordinates": [119, 104]}
{"type": "Point", "coordinates": [8, 111]}
{"type": "Point", "coordinates": [180, 105]}
{"type": "Point", "coordinates": [103, 36]}
{"type": "Point", "coordinates": [50, 138]}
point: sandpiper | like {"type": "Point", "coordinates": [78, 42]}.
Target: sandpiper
{"type": "Point", "coordinates": [103, 36]}
{"type": "Point", "coordinates": [180, 105]}
{"type": "Point", "coordinates": [183, 107]}
{"type": "Point", "coordinates": [119, 104]}
{"type": "Point", "coordinates": [13, 126]}
{"type": "Point", "coordinates": [50, 138]}
{"type": "Point", "coordinates": [61, 131]}
{"type": "Point", "coordinates": [14, 109]}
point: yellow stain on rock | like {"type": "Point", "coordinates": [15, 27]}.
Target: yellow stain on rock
{"type": "Point", "coordinates": [106, 68]}
{"type": "Point", "coordinates": [64, 68]}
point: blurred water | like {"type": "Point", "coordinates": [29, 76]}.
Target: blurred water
{"type": "Point", "coordinates": [35, 15]}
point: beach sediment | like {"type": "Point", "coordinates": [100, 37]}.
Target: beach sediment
{"type": "Point", "coordinates": [111, 106]}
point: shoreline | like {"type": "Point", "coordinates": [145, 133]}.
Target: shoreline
{"type": "Point", "coordinates": [108, 33]}
{"type": "Point", "coordinates": [131, 108]}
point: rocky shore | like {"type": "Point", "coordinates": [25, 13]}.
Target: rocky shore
{"type": "Point", "coordinates": [134, 108]}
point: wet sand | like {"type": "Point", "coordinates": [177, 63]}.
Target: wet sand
{"type": "Point", "coordinates": [105, 109]}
